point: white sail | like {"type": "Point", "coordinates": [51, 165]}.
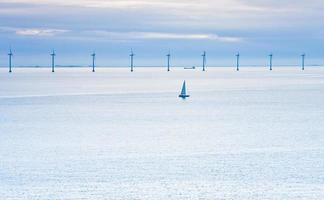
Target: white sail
{"type": "Point", "coordinates": [183, 91]}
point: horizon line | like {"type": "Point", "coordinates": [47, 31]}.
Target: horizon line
{"type": "Point", "coordinates": [154, 66]}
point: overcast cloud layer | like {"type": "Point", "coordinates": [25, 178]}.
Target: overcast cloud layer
{"type": "Point", "coordinates": [75, 28]}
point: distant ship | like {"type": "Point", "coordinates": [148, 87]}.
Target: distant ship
{"type": "Point", "coordinates": [183, 91]}
{"type": "Point", "coordinates": [193, 67]}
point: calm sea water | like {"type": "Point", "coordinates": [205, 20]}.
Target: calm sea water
{"type": "Point", "coordinates": [113, 134]}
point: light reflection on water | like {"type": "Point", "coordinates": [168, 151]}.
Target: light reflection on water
{"type": "Point", "coordinates": [239, 137]}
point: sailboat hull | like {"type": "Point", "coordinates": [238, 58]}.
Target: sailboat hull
{"type": "Point", "coordinates": [183, 96]}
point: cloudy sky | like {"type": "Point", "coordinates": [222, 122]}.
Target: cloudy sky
{"type": "Point", "coordinates": [75, 28]}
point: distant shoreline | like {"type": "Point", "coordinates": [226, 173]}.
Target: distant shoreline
{"type": "Point", "coordinates": [224, 66]}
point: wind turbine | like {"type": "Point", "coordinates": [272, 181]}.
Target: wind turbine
{"type": "Point", "coordinates": [53, 59]}
{"type": "Point", "coordinates": [168, 55]}
{"type": "Point", "coordinates": [10, 54]}
{"type": "Point", "coordinates": [204, 60]}
{"type": "Point", "coordinates": [132, 60]}
{"type": "Point", "coordinates": [270, 57]}
{"type": "Point", "coordinates": [93, 61]}
{"type": "Point", "coordinates": [238, 62]}
{"type": "Point", "coordinates": [303, 61]}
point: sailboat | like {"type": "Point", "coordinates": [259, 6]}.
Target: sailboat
{"type": "Point", "coordinates": [183, 91]}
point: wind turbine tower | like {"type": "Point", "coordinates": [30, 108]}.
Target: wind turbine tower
{"type": "Point", "coordinates": [132, 60]}
{"type": "Point", "coordinates": [238, 62]}
{"type": "Point", "coordinates": [204, 60]}
{"type": "Point", "coordinates": [169, 55]}
{"type": "Point", "coordinates": [93, 61]}
{"type": "Point", "coordinates": [53, 60]}
{"type": "Point", "coordinates": [270, 57]}
{"type": "Point", "coordinates": [10, 54]}
{"type": "Point", "coordinates": [303, 61]}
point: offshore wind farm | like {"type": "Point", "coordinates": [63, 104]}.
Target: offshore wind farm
{"type": "Point", "coordinates": [131, 55]}
{"type": "Point", "coordinates": [155, 100]}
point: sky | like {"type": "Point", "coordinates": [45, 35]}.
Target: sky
{"type": "Point", "coordinates": [186, 28]}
